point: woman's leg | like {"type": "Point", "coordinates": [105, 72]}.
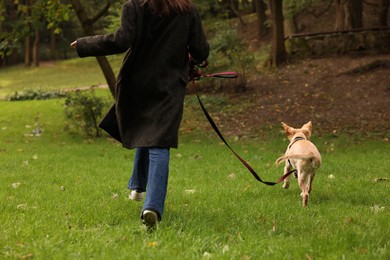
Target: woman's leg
{"type": "Point", "coordinates": [139, 178]}
{"type": "Point", "coordinates": [157, 180]}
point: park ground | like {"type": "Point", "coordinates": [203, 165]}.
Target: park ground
{"type": "Point", "coordinates": [341, 93]}
{"type": "Point", "coordinates": [346, 94]}
{"type": "Point", "coordinates": [63, 196]}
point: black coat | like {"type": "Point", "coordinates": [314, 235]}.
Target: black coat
{"type": "Point", "coordinates": [151, 83]}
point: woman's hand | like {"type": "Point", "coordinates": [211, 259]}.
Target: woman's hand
{"type": "Point", "coordinates": [73, 45]}
{"type": "Point", "coordinates": [204, 64]}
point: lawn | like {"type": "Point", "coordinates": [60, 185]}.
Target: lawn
{"type": "Point", "coordinates": [64, 196]}
{"type": "Point", "coordinates": [56, 76]}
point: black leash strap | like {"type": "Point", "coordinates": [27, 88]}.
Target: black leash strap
{"type": "Point", "coordinates": [196, 74]}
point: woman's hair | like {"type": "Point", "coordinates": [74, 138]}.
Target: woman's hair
{"type": "Point", "coordinates": [167, 7]}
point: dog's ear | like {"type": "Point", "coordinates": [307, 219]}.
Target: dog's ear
{"type": "Point", "coordinates": [306, 129]}
{"type": "Point", "coordinates": [308, 125]}
{"type": "Point", "coordinates": [290, 132]}
{"type": "Point", "coordinates": [285, 127]}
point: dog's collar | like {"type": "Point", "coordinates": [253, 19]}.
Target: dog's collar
{"type": "Point", "coordinates": [296, 139]}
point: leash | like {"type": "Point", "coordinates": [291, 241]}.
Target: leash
{"type": "Point", "coordinates": [196, 75]}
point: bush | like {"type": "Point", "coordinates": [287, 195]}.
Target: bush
{"type": "Point", "coordinates": [84, 110]}
{"type": "Point", "coordinates": [33, 94]}
{"type": "Point", "coordinates": [230, 53]}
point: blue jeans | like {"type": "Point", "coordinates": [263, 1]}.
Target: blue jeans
{"type": "Point", "coordinates": [150, 174]}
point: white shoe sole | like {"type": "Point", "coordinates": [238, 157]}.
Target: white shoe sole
{"type": "Point", "coordinates": [150, 219]}
{"type": "Point", "coordinates": [137, 196]}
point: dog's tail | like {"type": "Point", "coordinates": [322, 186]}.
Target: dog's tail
{"type": "Point", "coordinates": [307, 156]}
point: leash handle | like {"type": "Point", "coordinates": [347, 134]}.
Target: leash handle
{"type": "Point", "coordinates": [196, 74]}
{"type": "Point", "coordinates": [225, 75]}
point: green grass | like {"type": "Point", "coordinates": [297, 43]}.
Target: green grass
{"type": "Point", "coordinates": [64, 196]}
{"type": "Point", "coordinates": [60, 75]}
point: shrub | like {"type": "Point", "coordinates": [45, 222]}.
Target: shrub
{"type": "Point", "coordinates": [33, 94]}
{"type": "Point", "coordinates": [84, 110]}
{"type": "Point", "coordinates": [230, 53]}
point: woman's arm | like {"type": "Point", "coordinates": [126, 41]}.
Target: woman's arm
{"type": "Point", "coordinates": [118, 42]}
{"type": "Point", "coordinates": [198, 46]}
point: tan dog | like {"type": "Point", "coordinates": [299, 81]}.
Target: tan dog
{"type": "Point", "coordinates": [302, 155]}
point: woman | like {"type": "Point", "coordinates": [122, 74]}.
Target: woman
{"type": "Point", "coordinates": [159, 36]}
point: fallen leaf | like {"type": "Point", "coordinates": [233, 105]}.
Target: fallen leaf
{"type": "Point", "coordinates": [382, 179]}
{"type": "Point", "coordinates": [232, 176]}
{"type": "Point", "coordinates": [22, 206]}
{"type": "Point", "coordinates": [377, 209]}
{"type": "Point", "coordinates": [15, 185]}
{"type": "Point", "coordinates": [225, 249]}
{"type": "Point", "coordinates": [207, 255]}
{"type": "Point", "coordinates": [152, 244]}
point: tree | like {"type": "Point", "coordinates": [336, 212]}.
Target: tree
{"type": "Point", "coordinates": [87, 25]}
{"type": "Point", "coordinates": [26, 13]}
{"type": "Point", "coordinates": [278, 52]}
{"type": "Point", "coordinates": [56, 13]}
{"type": "Point", "coordinates": [229, 52]}
{"type": "Point", "coordinates": [9, 36]}
{"type": "Point", "coordinates": [234, 7]}
{"type": "Point", "coordinates": [261, 9]}
{"type": "Point", "coordinates": [383, 13]}
{"type": "Point", "coordinates": [292, 9]}
{"type": "Point", "coordinates": [36, 12]}
{"type": "Point", "coordinates": [24, 21]}
{"type": "Point", "coordinates": [349, 14]}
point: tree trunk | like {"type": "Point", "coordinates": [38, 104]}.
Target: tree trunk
{"type": "Point", "coordinates": [261, 8]}
{"type": "Point", "coordinates": [11, 15]}
{"type": "Point", "coordinates": [234, 8]}
{"type": "Point", "coordinates": [290, 21]}
{"type": "Point", "coordinates": [53, 45]}
{"type": "Point", "coordinates": [27, 38]}
{"type": "Point", "coordinates": [349, 14]}
{"type": "Point", "coordinates": [27, 51]}
{"type": "Point", "coordinates": [356, 13]}
{"type": "Point", "coordinates": [235, 5]}
{"type": "Point", "coordinates": [108, 73]}
{"type": "Point", "coordinates": [290, 25]}
{"type": "Point", "coordinates": [87, 25]}
{"type": "Point", "coordinates": [383, 15]}
{"type": "Point", "coordinates": [279, 55]}
{"type": "Point", "coordinates": [36, 48]}
{"type": "Point", "coordinates": [245, 4]}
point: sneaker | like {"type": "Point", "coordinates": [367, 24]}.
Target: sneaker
{"type": "Point", "coordinates": [150, 219]}
{"type": "Point", "coordinates": [136, 195]}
